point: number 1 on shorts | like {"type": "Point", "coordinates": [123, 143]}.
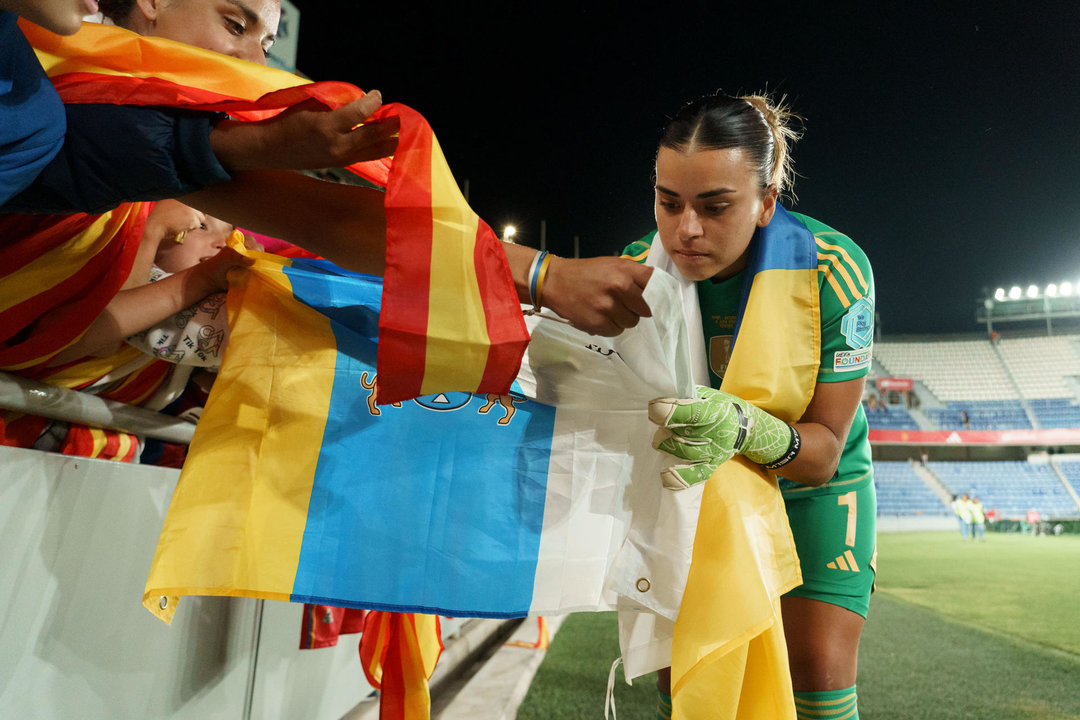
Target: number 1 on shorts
{"type": "Point", "coordinates": [849, 500]}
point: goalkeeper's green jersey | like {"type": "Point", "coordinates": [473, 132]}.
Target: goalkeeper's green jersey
{"type": "Point", "coordinates": [846, 292]}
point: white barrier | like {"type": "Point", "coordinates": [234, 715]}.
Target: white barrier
{"type": "Point", "coordinates": [77, 538]}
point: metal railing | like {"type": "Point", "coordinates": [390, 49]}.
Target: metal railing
{"type": "Point", "coordinates": [29, 396]}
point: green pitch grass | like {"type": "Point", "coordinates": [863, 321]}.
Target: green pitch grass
{"type": "Point", "coordinates": [956, 631]}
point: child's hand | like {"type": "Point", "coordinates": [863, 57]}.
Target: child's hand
{"type": "Point", "coordinates": [252, 244]}
{"type": "Point", "coordinates": [215, 270]}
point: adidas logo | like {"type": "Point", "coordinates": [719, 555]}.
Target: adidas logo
{"type": "Point", "coordinates": [844, 562]}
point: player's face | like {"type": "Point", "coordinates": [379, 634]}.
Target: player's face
{"type": "Point", "coordinates": [242, 28]}
{"type": "Point", "coordinates": [708, 204]}
{"type": "Point", "coordinates": [61, 16]}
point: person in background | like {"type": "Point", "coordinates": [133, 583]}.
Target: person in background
{"type": "Point", "coordinates": [91, 157]}
{"type": "Point", "coordinates": [722, 163]}
{"type": "Point", "coordinates": [1032, 519]}
{"type": "Point", "coordinates": [173, 304]}
{"type": "Point", "coordinates": [962, 508]}
{"type": "Point", "coordinates": [174, 301]}
{"type": "Point", "coordinates": [32, 121]}
{"type": "Point", "coordinates": [344, 224]}
{"type": "Point", "coordinates": [978, 520]}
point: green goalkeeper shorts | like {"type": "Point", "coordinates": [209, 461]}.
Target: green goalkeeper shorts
{"type": "Point", "coordinates": [836, 537]}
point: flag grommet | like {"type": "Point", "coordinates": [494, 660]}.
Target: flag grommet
{"type": "Point", "coordinates": [643, 585]}
{"type": "Point", "coordinates": [164, 602]}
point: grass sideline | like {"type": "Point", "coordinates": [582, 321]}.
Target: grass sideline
{"type": "Point", "coordinates": [1020, 585]}
{"type": "Point", "coordinates": [956, 631]}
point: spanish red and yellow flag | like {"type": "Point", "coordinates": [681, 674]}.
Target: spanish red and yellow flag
{"type": "Point", "coordinates": [451, 320]}
{"type": "Point", "coordinates": [399, 652]}
{"type": "Point", "coordinates": [57, 273]}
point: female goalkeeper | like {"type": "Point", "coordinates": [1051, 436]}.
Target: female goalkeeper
{"type": "Point", "coordinates": [800, 297]}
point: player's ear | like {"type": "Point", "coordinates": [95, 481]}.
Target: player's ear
{"type": "Point", "coordinates": [768, 205]}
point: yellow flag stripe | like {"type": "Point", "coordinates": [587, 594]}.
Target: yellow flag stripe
{"type": "Point", "coordinates": [99, 438]}
{"type": "Point", "coordinates": [270, 483]}
{"type": "Point", "coordinates": [94, 368]}
{"type": "Point", "coordinates": [55, 266]}
{"type": "Point", "coordinates": [279, 500]}
{"type": "Point", "coordinates": [107, 50]}
{"type": "Point", "coordinates": [123, 445]}
{"type": "Point", "coordinates": [457, 347]}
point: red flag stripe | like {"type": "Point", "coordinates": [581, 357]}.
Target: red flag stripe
{"type": "Point", "coordinates": [505, 323]}
{"type": "Point", "coordinates": [404, 316]}
{"type": "Point", "coordinates": [79, 299]}
{"type": "Point", "coordinates": [24, 241]}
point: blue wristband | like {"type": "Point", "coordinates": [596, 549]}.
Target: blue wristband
{"type": "Point", "coordinates": [534, 275]}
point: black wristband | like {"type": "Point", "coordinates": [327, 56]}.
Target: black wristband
{"type": "Point", "coordinates": [793, 449]}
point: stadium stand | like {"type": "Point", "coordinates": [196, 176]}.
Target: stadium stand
{"type": "Point", "coordinates": [1056, 412]}
{"type": "Point", "coordinates": [963, 371]}
{"type": "Point", "coordinates": [1071, 470]}
{"type": "Point", "coordinates": [901, 492]}
{"type": "Point", "coordinates": [890, 417]}
{"type": "Point", "coordinates": [991, 382]}
{"type": "Point", "coordinates": [1041, 367]}
{"type": "Point", "coordinates": [1010, 487]}
{"type": "Point", "coordinates": [986, 415]}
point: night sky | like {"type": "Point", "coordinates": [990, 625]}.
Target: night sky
{"type": "Point", "coordinates": [944, 140]}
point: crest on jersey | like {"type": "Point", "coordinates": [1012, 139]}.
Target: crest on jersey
{"type": "Point", "coordinates": [858, 324]}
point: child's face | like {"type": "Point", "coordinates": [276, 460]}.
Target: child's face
{"type": "Point", "coordinates": [241, 28]}
{"type": "Point", "coordinates": [203, 236]}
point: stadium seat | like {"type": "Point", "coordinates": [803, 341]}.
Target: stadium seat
{"type": "Point", "coordinates": [901, 492]}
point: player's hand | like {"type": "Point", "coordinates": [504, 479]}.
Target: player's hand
{"type": "Point", "coordinates": [706, 431]}
{"type": "Point", "coordinates": [601, 296]}
{"type": "Point", "coordinates": [710, 429]}
{"type": "Point", "coordinates": [307, 137]}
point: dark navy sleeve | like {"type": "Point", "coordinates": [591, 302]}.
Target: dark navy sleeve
{"type": "Point", "coordinates": [117, 153]}
{"type": "Point", "coordinates": [31, 114]}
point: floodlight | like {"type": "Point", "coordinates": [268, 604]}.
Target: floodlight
{"type": "Point", "coordinates": [1015, 293]}
{"type": "Point", "coordinates": [1051, 290]}
{"type": "Point", "coordinates": [1066, 289]}
{"type": "Point", "coordinates": [508, 232]}
{"type": "Point", "coordinates": [999, 294]}
{"type": "Point", "coordinates": [1033, 291]}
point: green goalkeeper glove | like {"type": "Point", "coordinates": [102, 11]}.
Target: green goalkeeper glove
{"type": "Point", "coordinates": [709, 430]}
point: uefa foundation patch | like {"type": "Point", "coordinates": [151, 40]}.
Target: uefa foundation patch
{"type": "Point", "coordinates": [847, 360]}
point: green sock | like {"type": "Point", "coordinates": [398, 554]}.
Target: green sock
{"type": "Point", "coordinates": [827, 705]}
{"type": "Point", "coordinates": [663, 706]}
